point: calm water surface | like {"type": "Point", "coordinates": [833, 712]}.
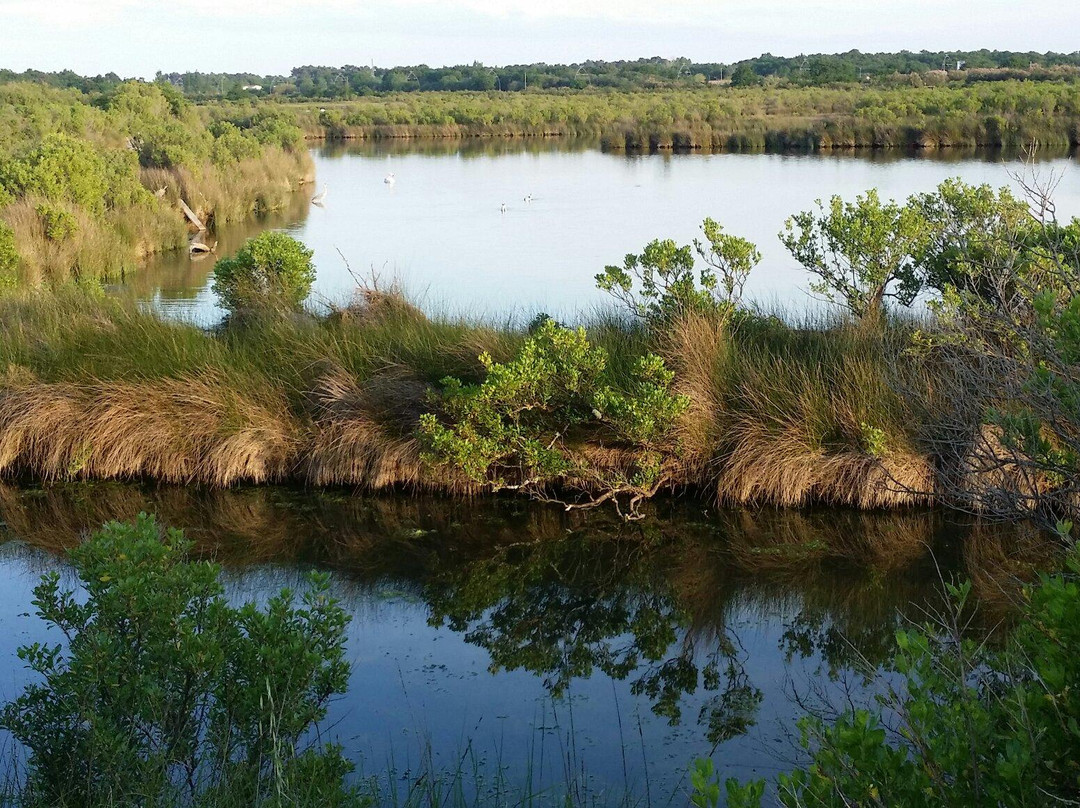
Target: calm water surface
{"type": "Point", "coordinates": [439, 229]}
{"type": "Point", "coordinates": [510, 640]}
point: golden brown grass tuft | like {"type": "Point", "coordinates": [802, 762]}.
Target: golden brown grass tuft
{"type": "Point", "coordinates": [696, 349]}
{"type": "Point", "coordinates": [790, 416]}
{"type": "Point", "coordinates": [365, 433]}
{"type": "Point", "coordinates": [776, 469]}
{"type": "Point", "coordinates": [189, 430]}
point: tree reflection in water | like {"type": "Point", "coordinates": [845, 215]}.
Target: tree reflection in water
{"type": "Point", "coordinates": [566, 597]}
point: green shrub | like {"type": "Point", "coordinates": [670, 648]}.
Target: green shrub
{"type": "Point", "coordinates": [61, 168]}
{"type": "Point", "coordinates": [231, 145]}
{"type": "Point", "coordinates": [164, 693]}
{"type": "Point", "coordinates": [861, 252]}
{"type": "Point", "coordinates": [514, 429]}
{"type": "Point", "coordinates": [59, 224]}
{"type": "Point", "coordinates": [122, 177]}
{"type": "Point", "coordinates": [9, 258]}
{"type": "Point", "coordinates": [661, 284]}
{"type": "Point", "coordinates": [968, 228]}
{"type": "Point", "coordinates": [974, 725]}
{"type": "Point", "coordinates": [272, 270]}
{"type": "Point", "coordinates": [274, 127]}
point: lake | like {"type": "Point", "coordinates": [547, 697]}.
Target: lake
{"type": "Point", "coordinates": [508, 646]}
{"type": "Point", "coordinates": [440, 230]}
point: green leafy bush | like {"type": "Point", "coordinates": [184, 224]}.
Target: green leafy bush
{"type": "Point", "coordinates": [661, 284]}
{"type": "Point", "coordinates": [973, 725]}
{"type": "Point", "coordinates": [274, 127]}
{"type": "Point", "coordinates": [231, 145]}
{"type": "Point", "coordinates": [967, 229]}
{"type": "Point", "coordinates": [9, 258]}
{"type": "Point", "coordinates": [60, 168]}
{"type": "Point", "coordinates": [514, 430]}
{"type": "Point", "coordinates": [59, 224]}
{"type": "Point", "coordinates": [272, 270]}
{"type": "Point", "coordinates": [862, 252]}
{"type": "Point", "coordinates": [164, 693]}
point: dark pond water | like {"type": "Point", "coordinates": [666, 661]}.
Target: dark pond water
{"type": "Point", "coordinates": [510, 642]}
{"type": "Point", "coordinates": [440, 228]}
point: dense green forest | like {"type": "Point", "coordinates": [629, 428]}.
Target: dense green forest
{"type": "Point", "coordinates": [322, 82]}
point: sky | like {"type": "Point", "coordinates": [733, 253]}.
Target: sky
{"type": "Point", "coordinates": [135, 38]}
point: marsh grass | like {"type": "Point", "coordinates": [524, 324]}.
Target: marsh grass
{"type": "Point", "coordinates": [783, 412]}
{"type": "Point", "coordinates": [796, 413]}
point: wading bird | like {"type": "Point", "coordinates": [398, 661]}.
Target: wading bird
{"type": "Point", "coordinates": [389, 179]}
{"type": "Point", "coordinates": [318, 198]}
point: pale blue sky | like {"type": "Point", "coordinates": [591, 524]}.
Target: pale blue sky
{"type": "Point", "coordinates": [271, 36]}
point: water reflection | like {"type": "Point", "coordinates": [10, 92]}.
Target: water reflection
{"type": "Point", "coordinates": [490, 624]}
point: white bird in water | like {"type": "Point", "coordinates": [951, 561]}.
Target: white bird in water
{"type": "Point", "coordinates": [502, 207]}
{"type": "Point", "coordinates": [318, 198]}
{"type": "Point", "coordinates": [389, 179]}
{"type": "Point", "coordinates": [529, 199]}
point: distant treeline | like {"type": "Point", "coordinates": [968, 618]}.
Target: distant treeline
{"type": "Point", "coordinates": [319, 82]}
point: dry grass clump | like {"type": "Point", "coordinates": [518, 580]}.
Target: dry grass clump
{"type": "Point", "coordinates": [365, 434]}
{"type": "Point", "coordinates": [790, 415]}
{"type": "Point", "coordinates": [188, 430]}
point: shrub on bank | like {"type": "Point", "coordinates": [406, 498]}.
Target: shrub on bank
{"type": "Point", "coordinates": [164, 693]}
{"type": "Point", "coordinates": [271, 271]}
{"type": "Point", "coordinates": [518, 428]}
